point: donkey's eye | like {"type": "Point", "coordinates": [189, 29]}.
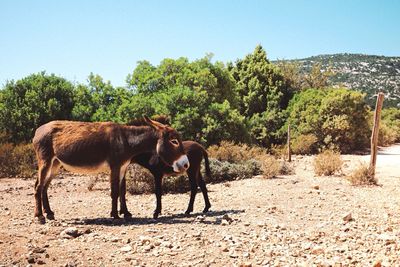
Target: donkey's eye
{"type": "Point", "coordinates": [174, 142]}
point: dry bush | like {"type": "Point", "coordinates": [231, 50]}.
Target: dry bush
{"type": "Point", "coordinates": [387, 136]}
{"type": "Point", "coordinates": [279, 151]}
{"type": "Point", "coordinates": [286, 168]}
{"type": "Point", "coordinates": [304, 144]}
{"type": "Point", "coordinates": [139, 180]}
{"type": "Point", "coordinates": [270, 166]}
{"type": "Point", "coordinates": [25, 158]}
{"type": "Point", "coordinates": [226, 171]}
{"type": "Point", "coordinates": [17, 160]}
{"type": "Point", "coordinates": [233, 153]}
{"type": "Point", "coordinates": [328, 163]}
{"type": "Point", "coordinates": [362, 176]}
{"type": "Point", "coordinates": [7, 156]}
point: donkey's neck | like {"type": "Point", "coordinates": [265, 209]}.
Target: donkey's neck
{"type": "Point", "coordinates": [141, 139]}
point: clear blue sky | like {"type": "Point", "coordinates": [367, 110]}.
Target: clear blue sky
{"type": "Point", "coordinates": [74, 38]}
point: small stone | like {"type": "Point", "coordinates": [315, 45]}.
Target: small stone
{"type": "Point", "coordinates": [227, 218]}
{"type": "Point", "coordinates": [114, 239]}
{"type": "Point", "coordinates": [40, 261]}
{"type": "Point", "coordinates": [166, 244]}
{"type": "Point", "coordinates": [224, 222]}
{"type": "Point", "coordinates": [233, 254]}
{"type": "Point", "coordinates": [348, 218]}
{"type": "Point", "coordinates": [38, 250]}
{"type": "Point", "coordinates": [317, 251]}
{"type": "Point", "coordinates": [224, 248]}
{"type": "Point", "coordinates": [144, 240]}
{"type": "Point", "coordinates": [377, 264]}
{"type": "Point", "coordinates": [126, 248]}
{"type": "Point", "coordinates": [316, 187]}
{"type": "Point", "coordinates": [148, 248]}
{"type": "Point", "coordinates": [245, 264]}
{"type": "Point", "coordinates": [200, 218]}
{"type": "Point", "coordinates": [31, 259]}
{"type": "Point", "coordinates": [70, 232]}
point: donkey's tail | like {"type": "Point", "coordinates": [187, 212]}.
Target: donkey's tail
{"type": "Point", "coordinates": [207, 164]}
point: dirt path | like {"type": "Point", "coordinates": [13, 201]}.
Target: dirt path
{"type": "Point", "coordinates": [293, 220]}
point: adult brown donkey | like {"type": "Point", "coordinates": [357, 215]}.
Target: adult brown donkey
{"type": "Point", "coordinates": [87, 147]}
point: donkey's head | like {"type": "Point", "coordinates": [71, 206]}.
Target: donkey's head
{"type": "Point", "coordinates": [169, 146]}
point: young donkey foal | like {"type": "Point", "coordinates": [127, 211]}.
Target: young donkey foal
{"type": "Point", "coordinates": [195, 153]}
{"type": "Point", "coordinates": [86, 147]}
{"type": "Point", "coordinates": [151, 161]}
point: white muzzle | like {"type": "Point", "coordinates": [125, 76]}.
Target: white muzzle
{"type": "Point", "coordinates": [181, 164]}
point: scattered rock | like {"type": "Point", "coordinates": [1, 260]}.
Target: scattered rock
{"type": "Point", "coordinates": [348, 218]}
{"type": "Point", "coordinates": [70, 232]}
{"type": "Point", "coordinates": [126, 248]}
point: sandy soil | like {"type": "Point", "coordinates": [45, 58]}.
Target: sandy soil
{"type": "Point", "coordinates": [296, 220]}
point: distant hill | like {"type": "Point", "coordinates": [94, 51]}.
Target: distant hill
{"type": "Point", "coordinates": [366, 73]}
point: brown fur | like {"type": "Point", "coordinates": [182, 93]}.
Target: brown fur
{"type": "Point", "coordinates": [93, 147]}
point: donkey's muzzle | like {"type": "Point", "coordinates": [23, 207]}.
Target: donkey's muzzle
{"type": "Point", "coordinates": [181, 164]}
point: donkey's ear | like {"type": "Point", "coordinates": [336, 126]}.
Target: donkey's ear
{"type": "Point", "coordinates": [154, 124]}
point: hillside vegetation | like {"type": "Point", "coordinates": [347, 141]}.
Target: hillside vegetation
{"type": "Point", "coordinates": [367, 73]}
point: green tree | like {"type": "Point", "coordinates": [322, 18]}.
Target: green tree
{"type": "Point", "coordinates": [263, 94]}
{"type": "Point", "coordinates": [99, 100]}
{"type": "Point", "coordinates": [32, 101]}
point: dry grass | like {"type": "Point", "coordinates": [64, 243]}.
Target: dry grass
{"type": "Point", "coordinates": [17, 161]}
{"type": "Point", "coordinates": [362, 176]}
{"type": "Point", "coordinates": [233, 153]}
{"type": "Point", "coordinates": [270, 167]}
{"type": "Point", "coordinates": [328, 163]}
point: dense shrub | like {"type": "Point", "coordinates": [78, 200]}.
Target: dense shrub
{"type": "Point", "coordinates": [387, 135]}
{"type": "Point", "coordinates": [17, 160]}
{"type": "Point", "coordinates": [304, 144]}
{"type": "Point", "coordinates": [389, 130]}
{"type": "Point", "coordinates": [235, 153]}
{"type": "Point", "coordinates": [327, 163]}
{"type": "Point", "coordinates": [362, 176]}
{"type": "Point", "coordinates": [337, 117]}
{"type": "Point", "coordinates": [33, 101]}
{"type": "Point", "coordinates": [226, 171]}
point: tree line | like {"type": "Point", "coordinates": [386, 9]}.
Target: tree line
{"type": "Point", "coordinates": [248, 101]}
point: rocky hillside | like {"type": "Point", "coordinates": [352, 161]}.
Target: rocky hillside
{"type": "Point", "coordinates": [367, 73]}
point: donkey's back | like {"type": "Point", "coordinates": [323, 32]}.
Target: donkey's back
{"type": "Point", "coordinates": [77, 144]}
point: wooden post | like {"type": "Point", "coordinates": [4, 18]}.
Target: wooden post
{"type": "Point", "coordinates": [375, 132]}
{"type": "Point", "coordinates": [289, 153]}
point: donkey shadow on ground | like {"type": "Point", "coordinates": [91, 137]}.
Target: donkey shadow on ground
{"type": "Point", "coordinates": [168, 219]}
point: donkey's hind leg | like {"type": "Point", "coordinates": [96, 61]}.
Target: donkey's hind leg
{"type": "Point", "coordinates": [192, 174]}
{"type": "Point", "coordinates": [44, 171]}
{"type": "Point", "coordinates": [203, 188]}
{"type": "Point", "coordinates": [122, 193]}
{"type": "Point", "coordinates": [45, 199]}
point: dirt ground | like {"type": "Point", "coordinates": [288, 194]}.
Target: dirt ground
{"type": "Point", "coordinates": [296, 220]}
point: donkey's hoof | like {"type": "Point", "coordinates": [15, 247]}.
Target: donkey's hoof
{"type": "Point", "coordinates": [115, 215]}
{"type": "Point", "coordinates": [206, 209]}
{"type": "Point", "coordinates": [50, 216]}
{"type": "Point", "coordinates": [155, 215]}
{"type": "Point", "coordinates": [127, 215]}
{"type": "Point", "coordinates": [40, 219]}
{"type": "Point", "coordinates": [187, 212]}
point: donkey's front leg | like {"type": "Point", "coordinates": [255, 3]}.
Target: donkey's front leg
{"type": "Point", "coordinates": [114, 181]}
{"type": "Point", "coordinates": [158, 191]}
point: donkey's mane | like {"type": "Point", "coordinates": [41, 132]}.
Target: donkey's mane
{"type": "Point", "coordinates": [141, 122]}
